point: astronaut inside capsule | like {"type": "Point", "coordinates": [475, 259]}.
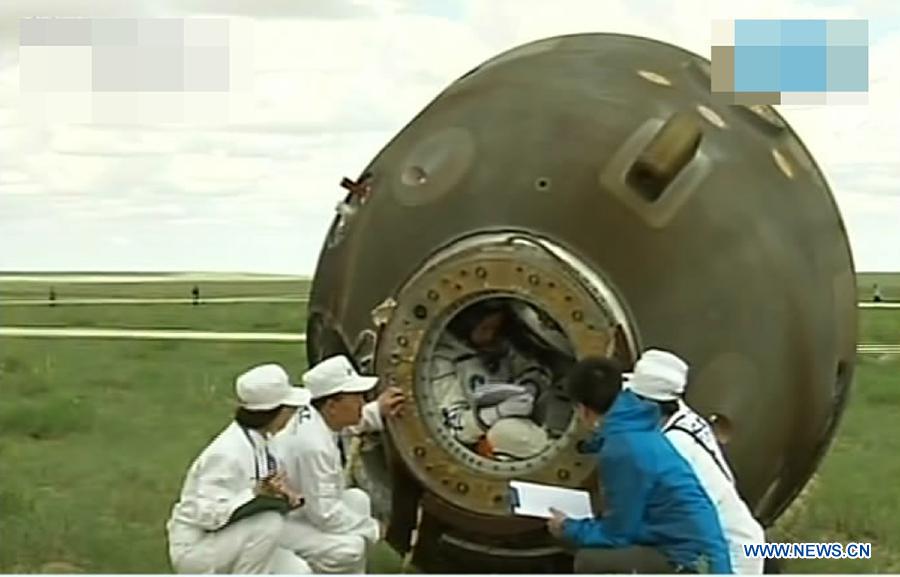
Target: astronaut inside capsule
{"type": "Point", "coordinates": [495, 374]}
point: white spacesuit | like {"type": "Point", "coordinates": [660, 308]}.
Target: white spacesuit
{"type": "Point", "coordinates": [474, 390]}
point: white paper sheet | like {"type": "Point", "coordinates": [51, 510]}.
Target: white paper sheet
{"type": "Point", "coordinates": [535, 500]}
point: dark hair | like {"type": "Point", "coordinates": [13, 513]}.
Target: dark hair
{"type": "Point", "coordinates": [468, 319]}
{"type": "Point", "coordinates": [595, 382]}
{"type": "Point", "coordinates": [668, 408]}
{"type": "Point", "coordinates": [256, 419]}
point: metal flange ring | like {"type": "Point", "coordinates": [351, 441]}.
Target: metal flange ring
{"type": "Point", "coordinates": [493, 268]}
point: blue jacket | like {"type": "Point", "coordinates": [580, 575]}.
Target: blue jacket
{"type": "Point", "coordinates": [652, 496]}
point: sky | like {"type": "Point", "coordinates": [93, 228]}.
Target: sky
{"type": "Point", "coordinates": [247, 180]}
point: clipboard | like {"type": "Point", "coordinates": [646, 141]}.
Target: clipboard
{"type": "Point", "coordinates": [535, 500]}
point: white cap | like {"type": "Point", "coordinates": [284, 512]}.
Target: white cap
{"type": "Point", "coordinates": [336, 375]}
{"type": "Point", "coordinates": [517, 438]}
{"type": "Point", "coordinates": [658, 375]}
{"type": "Point", "coordinates": [266, 387]}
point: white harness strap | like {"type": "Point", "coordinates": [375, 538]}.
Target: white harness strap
{"type": "Point", "coordinates": [699, 430]}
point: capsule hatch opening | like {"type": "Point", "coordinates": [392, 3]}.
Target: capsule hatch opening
{"type": "Point", "coordinates": [495, 374]}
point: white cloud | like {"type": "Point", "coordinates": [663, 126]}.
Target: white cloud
{"type": "Point", "coordinates": [67, 173]}
{"type": "Point", "coordinates": [337, 9]}
{"type": "Point", "coordinates": [330, 84]}
{"type": "Point", "coordinates": [13, 177]}
{"type": "Point", "coordinates": [840, 135]}
{"type": "Point", "coordinates": [207, 173]}
{"type": "Point", "coordinates": [101, 141]}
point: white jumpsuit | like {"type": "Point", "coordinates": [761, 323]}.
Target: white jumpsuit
{"type": "Point", "coordinates": [332, 530]}
{"type": "Point", "coordinates": [219, 481]}
{"type": "Point", "coordinates": [693, 438]}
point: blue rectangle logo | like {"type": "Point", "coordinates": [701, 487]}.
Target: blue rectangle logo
{"type": "Point", "coordinates": [790, 61]}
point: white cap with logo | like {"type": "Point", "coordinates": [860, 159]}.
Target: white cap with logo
{"type": "Point", "coordinates": [266, 387]}
{"type": "Point", "coordinates": [658, 375]}
{"type": "Point", "coordinates": [336, 375]}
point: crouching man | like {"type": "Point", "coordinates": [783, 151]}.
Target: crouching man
{"type": "Point", "coordinates": [661, 376]}
{"type": "Point", "coordinates": [658, 519]}
{"type": "Point", "coordinates": [335, 526]}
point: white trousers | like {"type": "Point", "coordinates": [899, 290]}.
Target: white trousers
{"type": "Point", "coordinates": [330, 552]}
{"type": "Point", "coordinates": [741, 564]}
{"type": "Point", "coordinates": [248, 546]}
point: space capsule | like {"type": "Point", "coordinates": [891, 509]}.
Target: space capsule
{"type": "Point", "coordinates": [593, 189]}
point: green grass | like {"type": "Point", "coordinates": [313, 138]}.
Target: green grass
{"type": "Point", "coordinates": [96, 435]}
{"type": "Point", "coordinates": [262, 317]}
{"type": "Point", "coordinates": [879, 326]}
{"type": "Point", "coordinates": [171, 289]}
{"type": "Point", "coordinates": [888, 282]}
{"type": "Point", "coordinates": [855, 496]}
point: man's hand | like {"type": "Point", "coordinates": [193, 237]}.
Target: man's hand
{"type": "Point", "coordinates": [555, 523]}
{"type": "Point", "coordinates": [391, 401]}
{"type": "Point", "coordinates": [276, 486]}
{"type": "Point", "coordinates": [295, 499]}
{"type": "Point", "coordinates": [276, 482]}
{"type": "Point", "coordinates": [265, 488]}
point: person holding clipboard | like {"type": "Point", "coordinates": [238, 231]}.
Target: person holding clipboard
{"type": "Point", "coordinates": [657, 519]}
{"type": "Point", "coordinates": [229, 518]}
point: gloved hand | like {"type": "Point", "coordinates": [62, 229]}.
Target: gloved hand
{"type": "Point", "coordinates": [520, 405]}
{"type": "Point", "coordinates": [493, 393]}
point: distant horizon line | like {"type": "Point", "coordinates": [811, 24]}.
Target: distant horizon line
{"type": "Point", "coordinates": [224, 272]}
{"type": "Point", "coordinates": [152, 272]}
{"type": "Point", "coordinates": [118, 277]}
{"type": "Point", "coordinates": [240, 272]}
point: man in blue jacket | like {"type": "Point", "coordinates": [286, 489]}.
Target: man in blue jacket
{"type": "Point", "coordinates": [657, 519]}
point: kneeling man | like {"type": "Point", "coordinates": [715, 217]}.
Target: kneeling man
{"type": "Point", "coordinates": [331, 532]}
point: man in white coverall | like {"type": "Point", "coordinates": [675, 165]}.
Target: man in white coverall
{"type": "Point", "coordinates": [332, 530]}
{"type": "Point", "coordinates": [230, 515]}
{"type": "Point", "coordinates": [661, 376]}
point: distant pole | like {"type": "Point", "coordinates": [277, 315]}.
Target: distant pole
{"type": "Point", "coordinates": [196, 294]}
{"type": "Point", "coordinates": [52, 297]}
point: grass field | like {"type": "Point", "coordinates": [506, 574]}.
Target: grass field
{"type": "Point", "coordinates": [263, 317]}
{"type": "Point", "coordinates": [879, 326]}
{"type": "Point", "coordinates": [97, 438]}
{"type": "Point", "coordinates": [888, 282]}
{"type": "Point", "coordinates": [95, 435]}
{"type": "Point", "coordinates": [170, 289]}
{"type": "Point", "coordinates": [855, 496]}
